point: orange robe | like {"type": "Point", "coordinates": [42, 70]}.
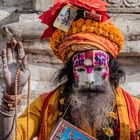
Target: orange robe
{"type": "Point", "coordinates": [44, 114]}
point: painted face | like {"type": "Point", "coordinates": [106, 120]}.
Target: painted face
{"type": "Point", "coordinates": [91, 67]}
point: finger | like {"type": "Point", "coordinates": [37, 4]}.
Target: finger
{"type": "Point", "coordinates": [13, 42]}
{"type": "Point", "coordinates": [4, 60]}
{"type": "Point", "coordinates": [21, 52]}
{"type": "Point", "coordinates": [14, 48]}
{"type": "Point", "coordinates": [24, 62]}
{"type": "Point", "coordinates": [4, 57]}
{"type": "Point", "coordinates": [9, 53]}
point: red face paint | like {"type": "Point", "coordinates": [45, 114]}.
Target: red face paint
{"type": "Point", "coordinates": [88, 62]}
{"type": "Point", "coordinates": [89, 69]}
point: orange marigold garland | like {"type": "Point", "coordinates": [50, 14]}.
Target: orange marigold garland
{"type": "Point", "coordinates": [104, 29]}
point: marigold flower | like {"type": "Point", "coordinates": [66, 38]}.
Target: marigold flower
{"type": "Point", "coordinates": [75, 30]}
{"type": "Point", "coordinates": [88, 21]}
{"type": "Point", "coordinates": [105, 33]}
{"type": "Point", "coordinates": [90, 28]}
{"type": "Point", "coordinates": [105, 28]}
{"type": "Point", "coordinates": [111, 37]}
{"type": "Point", "coordinates": [62, 101]}
{"type": "Point", "coordinates": [113, 115]}
{"type": "Point", "coordinates": [100, 31]}
{"type": "Point", "coordinates": [95, 23]}
{"type": "Point", "coordinates": [84, 28]}
{"type": "Point", "coordinates": [80, 22]}
{"type": "Point", "coordinates": [108, 131]}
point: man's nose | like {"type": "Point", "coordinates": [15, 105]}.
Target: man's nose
{"type": "Point", "coordinates": [90, 78]}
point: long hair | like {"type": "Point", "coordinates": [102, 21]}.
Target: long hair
{"type": "Point", "coordinates": [116, 75]}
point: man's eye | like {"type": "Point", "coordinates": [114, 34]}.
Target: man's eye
{"type": "Point", "coordinates": [80, 69]}
{"type": "Point", "coordinates": [98, 68]}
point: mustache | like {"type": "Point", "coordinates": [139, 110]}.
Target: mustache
{"type": "Point", "coordinates": [93, 89]}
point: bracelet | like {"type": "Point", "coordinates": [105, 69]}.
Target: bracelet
{"type": "Point", "coordinates": [11, 97]}
{"type": "Point", "coordinates": [9, 105]}
{"type": "Point", "coordinates": [9, 113]}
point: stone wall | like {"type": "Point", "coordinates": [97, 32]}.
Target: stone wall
{"type": "Point", "coordinates": [20, 19]}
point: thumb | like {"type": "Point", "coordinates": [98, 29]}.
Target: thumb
{"type": "Point", "coordinates": [24, 62]}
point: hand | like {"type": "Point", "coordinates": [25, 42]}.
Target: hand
{"type": "Point", "coordinates": [13, 57]}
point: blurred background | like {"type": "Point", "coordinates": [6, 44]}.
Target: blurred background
{"type": "Point", "coordinates": [20, 19]}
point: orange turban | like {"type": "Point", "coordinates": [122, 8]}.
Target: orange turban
{"type": "Point", "coordinates": [87, 34]}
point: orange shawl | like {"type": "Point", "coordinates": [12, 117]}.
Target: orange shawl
{"type": "Point", "coordinates": [128, 108]}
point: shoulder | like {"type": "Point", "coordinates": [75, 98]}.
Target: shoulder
{"type": "Point", "coordinates": [47, 95]}
{"type": "Point", "coordinates": [130, 98]}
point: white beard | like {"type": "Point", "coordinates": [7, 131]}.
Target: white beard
{"type": "Point", "coordinates": [94, 108]}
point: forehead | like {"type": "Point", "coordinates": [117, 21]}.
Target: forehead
{"type": "Point", "coordinates": [92, 57]}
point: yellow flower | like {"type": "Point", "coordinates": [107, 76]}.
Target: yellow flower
{"type": "Point", "coordinates": [90, 29]}
{"type": "Point", "coordinates": [112, 37]}
{"type": "Point", "coordinates": [105, 28]}
{"type": "Point", "coordinates": [75, 30]}
{"type": "Point", "coordinates": [62, 101]}
{"type": "Point", "coordinates": [105, 33]}
{"type": "Point", "coordinates": [108, 131]}
{"type": "Point", "coordinates": [84, 28]}
{"type": "Point", "coordinates": [100, 31]}
{"type": "Point", "coordinates": [113, 115]}
{"type": "Point", "coordinates": [60, 113]}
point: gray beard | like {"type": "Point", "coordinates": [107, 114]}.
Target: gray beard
{"type": "Point", "coordinates": [93, 105]}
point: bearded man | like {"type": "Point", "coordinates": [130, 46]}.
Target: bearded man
{"type": "Point", "coordinates": [97, 104]}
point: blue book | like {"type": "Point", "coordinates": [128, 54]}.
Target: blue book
{"type": "Point", "coordinates": [66, 131]}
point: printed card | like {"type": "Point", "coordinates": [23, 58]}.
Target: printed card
{"type": "Point", "coordinates": [66, 131]}
{"type": "Point", "coordinates": [65, 18]}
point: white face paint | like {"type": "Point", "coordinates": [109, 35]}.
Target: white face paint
{"type": "Point", "coordinates": [91, 67]}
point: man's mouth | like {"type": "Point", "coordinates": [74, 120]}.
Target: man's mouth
{"type": "Point", "coordinates": [92, 89]}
